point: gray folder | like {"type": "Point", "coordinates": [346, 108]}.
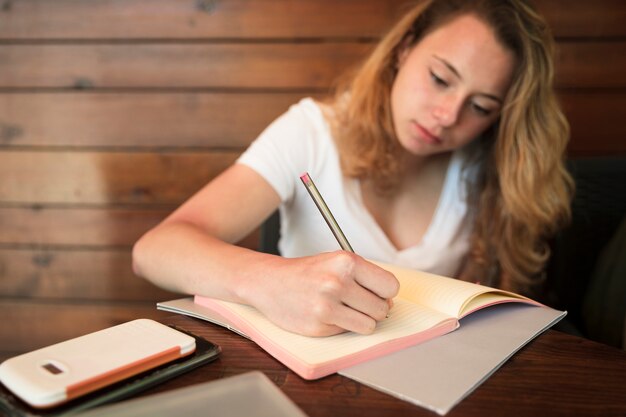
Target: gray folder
{"type": "Point", "coordinates": [439, 373]}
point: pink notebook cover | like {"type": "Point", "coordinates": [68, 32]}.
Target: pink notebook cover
{"type": "Point", "coordinates": [318, 370]}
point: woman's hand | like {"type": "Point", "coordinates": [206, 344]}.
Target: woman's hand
{"type": "Point", "coordinates": [324, 294]}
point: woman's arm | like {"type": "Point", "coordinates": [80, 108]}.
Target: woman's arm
{"type": "Point", "coordinates": [192, 252]}
{"type": "Point", "coordinates": [180, 253]}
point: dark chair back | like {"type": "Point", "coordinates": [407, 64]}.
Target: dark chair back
{"type": "Point", "coordinates": [270, 232]}
{"type": "Point", "coordinates": [597, 209]}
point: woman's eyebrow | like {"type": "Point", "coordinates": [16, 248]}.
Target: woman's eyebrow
{"type": "Point", "coordinates": [458, 75]}
{"type": "Point", "coordinates": [449, 65]}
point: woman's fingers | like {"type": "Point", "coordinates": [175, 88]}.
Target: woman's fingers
{"type": "Point", "coordinates": [366, 302]}
{"type": "Point", "coordinates": [377, 280]}
{"type": "Point", "coordinates": [353, 320]}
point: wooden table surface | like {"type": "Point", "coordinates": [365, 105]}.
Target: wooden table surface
{"type": "Point", "coordinates": [555, 375]}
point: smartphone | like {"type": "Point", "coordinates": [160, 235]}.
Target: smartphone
{"type": "Point", "coordinates": [58, 373]}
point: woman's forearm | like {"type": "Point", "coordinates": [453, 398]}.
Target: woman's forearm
{"type": "Point", "coordinates": [180, 257]}
{"type": "Point", "coordinates": [316, 295]}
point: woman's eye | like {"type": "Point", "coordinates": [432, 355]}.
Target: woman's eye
{"type": "Point", "coordinates": [438, 80]}
{"type": "Point", "coordinates": [480, 110]}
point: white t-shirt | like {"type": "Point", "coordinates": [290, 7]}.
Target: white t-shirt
{"type": "Point", "coordinates": [300, 141]}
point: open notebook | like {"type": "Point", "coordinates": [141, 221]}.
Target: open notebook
{"type": "Point", "coordinates": [427, 306]}
{"type": "Point", "coordinates": [437, 374]}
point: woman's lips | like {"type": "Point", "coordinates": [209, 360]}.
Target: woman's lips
{"type": "Point", "coordinates": [426, 135]}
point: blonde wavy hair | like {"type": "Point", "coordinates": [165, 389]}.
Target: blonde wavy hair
{"type": "Point", "coordinates": [523, 193]}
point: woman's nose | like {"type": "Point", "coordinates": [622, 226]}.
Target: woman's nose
{"type": "Point", "coordinates": [447, 110]}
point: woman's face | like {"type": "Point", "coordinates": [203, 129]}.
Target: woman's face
{"type": "Point", "coordinates": [450, 87]}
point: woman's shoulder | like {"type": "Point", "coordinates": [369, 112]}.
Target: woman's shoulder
{"type": "Point", "coordinates": [313, 114]}
{"type": "Point", "coordinates": [307, 119]}
{"type": "Point", "coordinates": [310, 109]}
{"type": "Point", "coordinates": [302, 119]}
{"type": "Point", "coordinates": [299, 134]}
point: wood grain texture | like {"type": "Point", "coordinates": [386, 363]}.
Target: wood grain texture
{"type": "Point", "coordinates": [31, 324]}
{"type": "Point", "coordinates": [584, 19]}
{"type": "Point", "coordinates": [305, 66]}
{"type": "Point", "coordinates": [82, 227]}
{"type": "Point", "coordinates": [107, 177]}
{"type": "Point", "coordinates": [230, 65]}
{"type": "Point", "coordinates": [580, 64]}
{"type": "Point", "coordinates": [193, 19]}
{"type": "Point", "coordinates": [245, 19]}
{"type": "Point", "coordinates": [72, 226]}
{"type": "Point", "coordinates": [194, 119]}
{"type": "Point", "coordinates": [594, 119]}
{"type": "Point", "coordinates": [56, 274]}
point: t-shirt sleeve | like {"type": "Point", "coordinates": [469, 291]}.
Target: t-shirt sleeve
{"type": "Point", "coordinates": [284, 150]}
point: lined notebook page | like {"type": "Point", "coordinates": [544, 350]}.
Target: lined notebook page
{"type": "Point", "coordinates": [405, 319]}
{"type": "Point", "coordinates": [447, 295]}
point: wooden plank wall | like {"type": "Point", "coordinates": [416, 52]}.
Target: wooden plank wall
{"type": "Point", "coordinates": [113, 112]}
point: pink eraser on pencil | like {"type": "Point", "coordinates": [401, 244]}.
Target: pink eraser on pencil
{"type": "Point", "coordinates": [305, 178]}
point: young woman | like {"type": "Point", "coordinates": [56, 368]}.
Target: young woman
{"type": "Point", "coordinates": [443, 153]}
